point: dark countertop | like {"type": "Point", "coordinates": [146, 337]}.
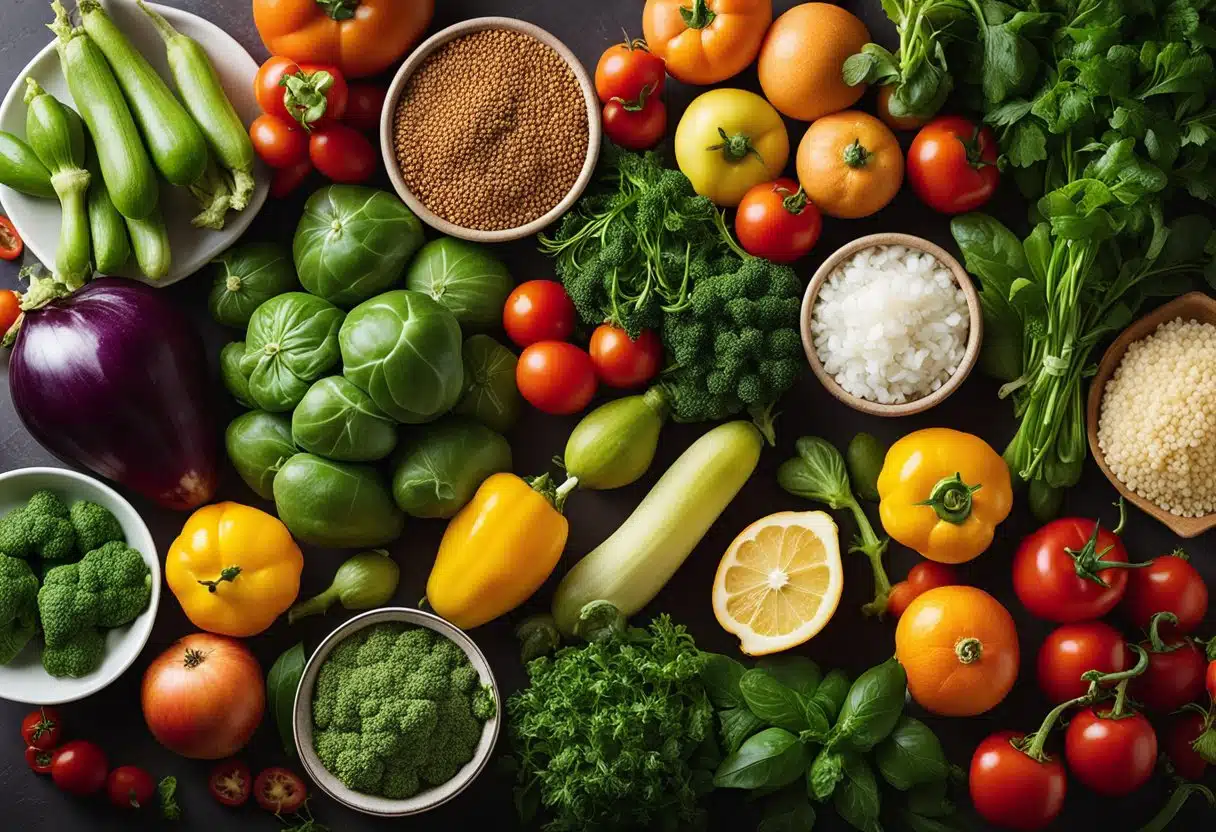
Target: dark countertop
{"type": "Point", "coordinates": [112, 718]}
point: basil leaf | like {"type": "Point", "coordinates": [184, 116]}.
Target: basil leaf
{"type": "Point", "coordinates": [737, 724]}
{"type": "Point", "coordinates": [721, 679]}
{"type": "Point", "coordinates": [911, 755]}
{"type": "Point", "coordinates": [857, 800]}
{"type": "Point", "coordinates": [788, 811]}
{"type": "Point", "coordinates": [772, 758]}
{"type": "Point", "coordinates": [796, 672]}
{"type": "Point", "coordinates": [830, 694]}
{"type": "Point", "coordinates": [873, 706]}
{"type": "Point", "coordinates": [931, 799]}
{"type": "Point", "coordinates": [825, 774]}
{"type": "Point", "coordinates": [917, 823]}
{"type": "Point", "coordinates": [281, 684]}
{"type": "Point", "coordinates": [772, 701]}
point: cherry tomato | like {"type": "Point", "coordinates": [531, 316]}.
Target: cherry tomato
{"type": "Point", "coordinates": [286, 181]}
{"type": "Point", "coordinates": [1174, 676]}
{"type": "Point", "coordinates": [952, 164]}
{"type": "Point", "coordinates": [556, 377]}
{"type": "Point", "coordinates": [39, 759]}
{"type": "Point", "coordinates": [626, 69]}
{"type": "Point", "coordinates": [278, 143]}
{"type": "Point", "coordinates": [635, 126]}
{"type": "Point", "coordinates": [901, 595]}
{"type": "Point", "coordinates": [929, 574]}
{"type": "Point", "coordinates": [1169, 584]}
{"type": "Point", "coordinates": [1180, 736]}
{"type": "Point", "coordinates": [230, 782]}
{"type": "Point", "coordinates": [130, 787]}
{"type": "Point", "coordinates": [42, 728]}
{"type": "Point", "coordinates": [79, 768]}
{"type": "Point", "coordinates": [1113, 756]}
{"type": "Point", "coordinates": [268, 86]}
{"type": "Point", "coordinates": [343, 154]}
{"type": "Point", "coordinates": [10, 310]}
{"type": "Point", "coordinates": [11, 244]}
{"type": "Point", "coordinates": [1074, 649]}
{"type": "Point", "coordinates": [279, 790]}
{"type": "Point", "coordinates": [1011, 790]}
{"type": "Point", "coordinates": [1211, 680]}
{"type": "Point", "coordinates": [539, 310]}
{"type": "Point", "coordinates": [1046, 571]}
{"type": "Point", "coordinates": [337, 94]}
{"type": "Point", "coordinates": [364, 107]}
{"type": "Point", "coordinates": [776, 221]}
{"type": "Point", "coordinates": [623, 362]}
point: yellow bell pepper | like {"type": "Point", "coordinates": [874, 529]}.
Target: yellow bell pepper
{"type": "Point", "coordinates": [943, 493]}
{"type": "Point", "coordinates": [499, 549]}
{"type": "Point", "coordinates": [234, 569]}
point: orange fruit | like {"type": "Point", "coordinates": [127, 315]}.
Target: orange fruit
{"type": "Point", "coordinates": [802, 56]}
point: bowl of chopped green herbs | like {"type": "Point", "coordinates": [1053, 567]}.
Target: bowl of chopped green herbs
{"type": "Point", "coordinates": [396, 713]}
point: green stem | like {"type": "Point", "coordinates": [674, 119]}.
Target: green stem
{"type": "Point", "coordinates": [697, 17]}
{"type": "Point", "coordinates": [1034, 744]}
{"type": "Point", "coordinates": [339, 9]}
{"type": "Point", "coordinates": [869, 544]}
{"type": "Point", "coordinates": [856, 156]}
{"type": "Point", "coordinates": [1161, 821]}
{"type": "Point", "coordinates": [317, 605]}
{"type": "Point", "coordinates": [228, 575]}
{"type": "Point", "coordinates": [736, 148]}
{"type": "Point", "coordinates": [1155, 642]}
{"type": "Point", "coordinates": [951, 499]}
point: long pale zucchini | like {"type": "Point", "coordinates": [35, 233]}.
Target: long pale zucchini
{"type": "Point", "coordinates": [108, 229]}
{"type": "Point", "coordinates": [630, 567]}
{"type": "Point", "coordinates": [21, 170]}
{"type": "Point", "coordinates": [129, 175]}
{"type": "Point", "coordinates": [150, 243]}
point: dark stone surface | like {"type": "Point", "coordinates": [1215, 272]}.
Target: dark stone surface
{"type": "Point", "coordinates": [112, 718]}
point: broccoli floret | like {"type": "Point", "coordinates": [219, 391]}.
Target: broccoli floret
{"type": "Point", "coordinates": [66, 605]}
{"type": "Point", "coordinates": [94, 526]}
{"type": "Point", "coordinates": [400, 782]}
{"type": "Point", "coordinates": [484, 705]}
{"type": "Point", "coordinates": [18, 607]}
{"type": "Point", "coordinates": [42, 528]}
{"type": "Point", "coordinates": [752, 389]}
{"type": "Point", "coordinates": [465, 678]}
{"type": "Point", "coordinates": [784, 343]}
{"type": "Point", "coordinates": [79, 656]}
{"type": "Point", "coordinates": [742, 312]}
{"type": "Point", "coordinates": [122, 581]}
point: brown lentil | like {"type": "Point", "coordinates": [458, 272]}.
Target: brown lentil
{"type": "Point", "coordinates": [491, 131]}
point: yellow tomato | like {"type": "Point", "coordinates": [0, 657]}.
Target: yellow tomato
{"type": "Point", "coordinates": [850, 164]}
{"type": "Point", "coordinates": [729, 141]}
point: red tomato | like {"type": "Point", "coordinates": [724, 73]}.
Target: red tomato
{"type": "Point", "coordinates": [1169, 584]}
{"type": "Point", "coordinates": [79, 768]}
{"type": "Point", "coordinates": [621, 361]}
{"type": "Point", "coordinates": [635, 126]}
{"type": "Point", "coordinates": [1211, 680]}
{"type": "Point", "coordinates": [10, 310]}
{"type": "Point", "coordinates": [269, 89]}
{"type": "Point", "coordinates": [343, 154]}
{"type": "Point", "coordinates": [1054, 567]}
{"type": "Point", "coordinates": [39, 759]}
{"type": "Point", "coordinates": [626, 69]}
{"type": "Point", "coordinates": [1074, 649]}
{"type": "Point", "coordinates": [314, 82]}
{"type": "Point", "coordinates": [278, 143]}
{"type": "Point", "coordinates": [1174, 676]}
{"type": "Point", "coordinates": [287, 180]}
{"type": "Point", "coordinates": [279, 790]}
{"type": "Point", "coordinates": [928, 575]}
{"type": "Point", "coordinates": [952, 164]}
{"type": "Point", "coordinates": [1114, 756]}
{"type": "Point", "coordinates": [556, 377]}
{"type": "Point", "coordinates": [901, 595]}
{"type": "Point", "coordinates": [230, 783]}
{"type": "Point", "coordinates": [1180, 737]}
{"type": "Point", "coordinates": [42, 728]}
{"type": "Point", "coordinates": [11, 244]}
{"type": "Point", "coordinates": [539, 310]}
{"type": "Point", "coordinates": [364, 107]}
{"type": "Point", "coordinates": [1011, 790]}
{"type": "Point", "coordinates": [130, 787]}
{"type": "Point", "coordinates": [776, 221]}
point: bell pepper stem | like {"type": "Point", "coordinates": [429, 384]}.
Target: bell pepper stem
{"type": "Point", "coordinates": [951, 499]}
{"type": "Point", "coordinates": [1161, 821]}
{"type": "Point", "coordinates": [228, 574]}
{"type": "Point", "coordinates": [699, 15]}
{"type": "Point", "coordinates": [339, 9]}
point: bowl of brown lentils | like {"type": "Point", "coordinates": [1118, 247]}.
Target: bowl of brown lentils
{"type": "Point", "coordinates": [491, 130]}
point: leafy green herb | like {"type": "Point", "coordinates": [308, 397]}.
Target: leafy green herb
{"type": "Point", "coordinates": [773, 702]}
{"type": "Point", "coordinates": [873, 707]}
{"type": "Point", "coordinates": [796, 672]}
{"type": "Point", "coordinates": [931, 799]}
{"type": "Point", "coordinates": [788, 811]}
{"type": "Point", "coordinates": [721, 677]}
{"type": "Point", "coordinates": [736, 725]}
{"type": "Point", "coordinates": [830, 695]}
{"type": "Point", "coordinates": [281, 685]}
{"type": "Point", "coordinates": [826, 772]}
{"type": "Point", "coordinates": [770, 759]}
{"type": "Point", "coordinates": [911, 755]}
{"type": "Point", "coordinates": [856, 799]}
{"type": "Point", "coordinates": [166, 794]}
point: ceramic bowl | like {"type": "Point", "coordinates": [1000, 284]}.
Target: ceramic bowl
{"type": "Point", "coordinates": [424, 800]}
{"type": "Point", "coordinates": [417, 58]}
{"type": "Point", "coordinates": [23, 679]}
{"type": "Point", "coordinates": [975, 335]}
{"type": "Point", "coordinates": [1194, 306]}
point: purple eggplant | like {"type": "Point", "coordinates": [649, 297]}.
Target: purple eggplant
{"type": "Point", "coordinates": [113, 378]}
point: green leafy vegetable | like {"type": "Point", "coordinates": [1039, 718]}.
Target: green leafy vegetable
{"type": "Point", "coordinates": [873, 706]}
{"type": "Point", "coordinates": [442, 465]}
{"type": "Point", "coordinates": [339, 421]}
{"type": "Point", "coordinates": [166, 791]}
{"type": "Point", "coordinates": [246, 277]}
{"type": "Point", "coordinates": [770, 759]}
{"type": "Point", "coordinates": [911, 755]}
{"type": "Point", "coordinates": [829, 697]}
{"type": "Point", "coordinates": [857, 799]}
{"type": "Point", "coordinates": [490, 395]}
{"type": "Point", "coordinates": [464, 278]}
{"type": "Point", "coordinates": [825, 773]}
{"type": "Point", "coordinates": [721, 677]}
{"type": "Point", "coordinates": [292, 341]}
{"type": "Point", "coordinates": [788, 811]}
{"type": "Point", "coordinates": [773, 702]}
{"type": "Point", "coordinates": [281, 684]}
{"type": "Point", "coordinates": [795, 672]}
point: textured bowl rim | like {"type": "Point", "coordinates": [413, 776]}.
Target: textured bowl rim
{"type": "Point", "coordinates": [302, 727]}
{"type": "Point", "coordinates": [416, 59]}
{"type": "Point", "coordinates": [975, 334]}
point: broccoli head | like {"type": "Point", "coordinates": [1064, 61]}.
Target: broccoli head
{"type": "Point", "coordinates": [122, 581]}
{"type": "Point", "coordinates": [40, 528]}
{"type": "Point", "coordinates": [18, 607]}
{"type": "Point", "coordinates": [66, 606]}
{"type": "Point", "coordinates": [78, 656]}
{"type": "Point", "coordinates": [94, 526]}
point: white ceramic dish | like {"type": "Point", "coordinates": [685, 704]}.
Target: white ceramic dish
{"type": "Point", "coordinates": [24, 680]}
{"type": "Point", "coordinates": [424, 800]}
{"type": "Point", "coordinates": [37, 220]}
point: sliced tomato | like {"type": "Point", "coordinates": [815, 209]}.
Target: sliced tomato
{"type": "Point", "coordinates": [11, 244]}
{"type": "Point", "coordinates": [279, 790]}
{"type": "Point", "coordinates": [230, 783]}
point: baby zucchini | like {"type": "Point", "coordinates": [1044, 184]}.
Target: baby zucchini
{"type": "Point", "coordinates": [150, 242]}
{"type": "Point", "coordinates": [111, 246]}
{"type": "Point", "coordinates": [21, 170]}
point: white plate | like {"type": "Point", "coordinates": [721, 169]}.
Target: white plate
{"type": "Point", "coordinates": [37, 220]}
{"type": "Point", "coordinates": [23, 679]}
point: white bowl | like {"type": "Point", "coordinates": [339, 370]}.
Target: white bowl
{"type": "Point", "coordinates": [37, 220]}
{"type": "Point", "coordinates": [424, 800]}
{"type": "Point", "coordinates": [24, 680]}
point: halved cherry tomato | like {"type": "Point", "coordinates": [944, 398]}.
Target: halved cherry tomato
{"type": "Point", "coordinates": [39, 759]}
{"type": "Point", "coordinates": [623, 362]}
{"type": "Point", "coordinates": [952, 164]}
{"type": "Point", "coordinates": [539, 310]}
{"type": "Point", "coordinates": [1010, 789]}
{"type": "Point", "coordinates": [1180, 737]}
{"type": "Point", "coordinates": [1168, 584]}
{"type": "Point", "coordinates": [268, 86]}
{"type": "Point", "coordinates": [1174, 676]}
{"type": "Point", "coordinates": [286, 181]}
{"type": "Point", "coordinates": [635, 126]}
{"type": "Point", "coordinates": [556, 377]}
{"type": "Point", "coordinates": [11, 244]}
{"type": "Point", "coordinates": [626, 69]}
{"type": "Point", "coordinates": [776, 221]}
{"type": "Point", "coordinates": [79, 768]}
{"type": "Point", "coordinates": [364, 107]}
{"type": "Point", "coordinates": [343, 154]}
{"type": "Point", "coordinates": [1074, 649]}
{"type": "Point", "coordinates": [1112, 755]}
{"type": "Point", "coordinates": [279, 790]}
{"type": "Point", "coordinates": [130, 787]}
{"type": "Point", "coordinates": [10, 310]}
{"type": "Point", "coordinates": [230, 782]}
{"type": "Point", "coordinates": [41, 728]}
{"type": "Point", "coordinates": [278, 143]}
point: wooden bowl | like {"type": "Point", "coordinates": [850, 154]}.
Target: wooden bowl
{"type": "Point", "coordinates": [1194, 306]}
{"type": "Point", "coordinates": [974, 338]}
{"type": "Point", "coordinates": [397, 88]}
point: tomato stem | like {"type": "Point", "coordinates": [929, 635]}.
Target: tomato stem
{"type": "Point", "coordinates": [856, 156]}
{"type": "Point", "coordinates": [1161, 821]}
{"type": "Point", "coordinates": [969, 650]}
{"type": "Point", "coordinates": [796, 202]}
{"type": "Point", "coordinates": [1155, 642]}
{"type": "Point", "coordinates": [699, 16]}
{"type": "Point", "coordinates": [339, 9]}
{"type": "Point", "coordinates": [736, 148]}
{"type": "Point", "coordinates": [229, 574]}
{"type": "Point", "coordinates": [637, 104]}
{"type": "Point", "coordinates": [1032, 745]}
{"type": "Point", "coordinates": [951, 499]}
{"type": "Point", "coordinates": [194, 657]}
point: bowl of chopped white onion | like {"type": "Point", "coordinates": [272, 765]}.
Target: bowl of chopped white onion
{"type": "Point", "coordinates": [891, 324]}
